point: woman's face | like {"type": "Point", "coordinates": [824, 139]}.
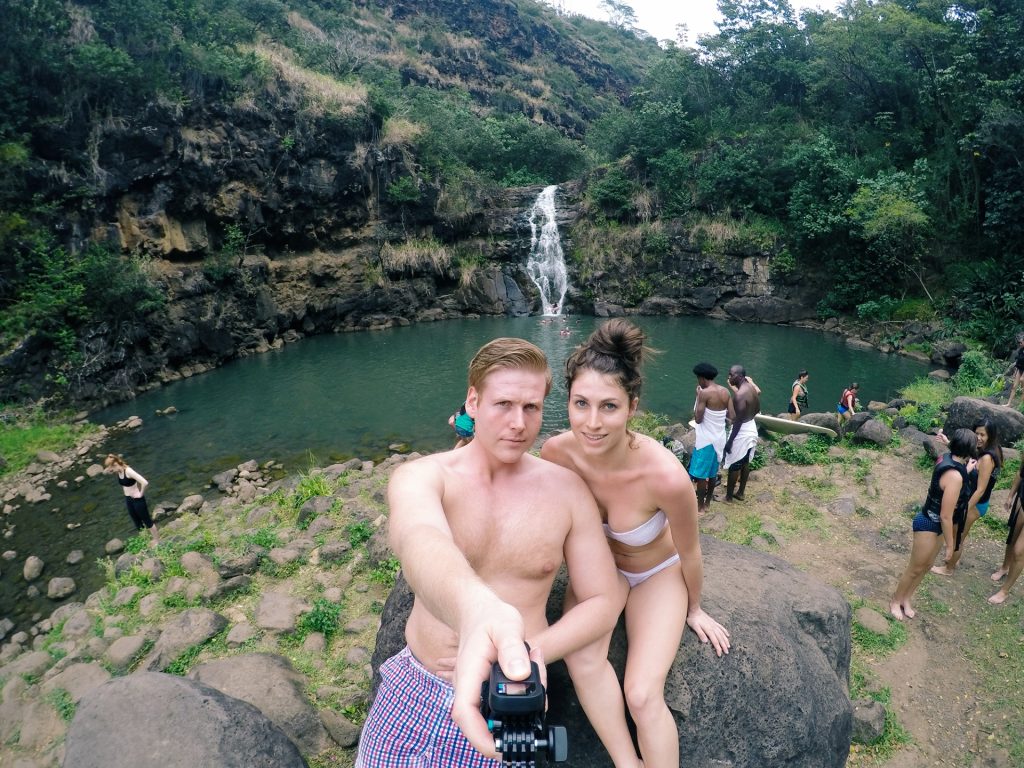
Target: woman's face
{"type": "Point", "coordinates": [599, 409]}
{"type": "Point", "coordinates": [982, 435]}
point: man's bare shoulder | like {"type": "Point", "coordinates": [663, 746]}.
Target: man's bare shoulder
{"type": "Point", "coordinates": [547, 471]}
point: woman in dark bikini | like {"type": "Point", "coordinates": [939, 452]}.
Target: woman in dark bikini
{"type": "Point", "coordinates": [134, 486]}
{"type": "Point", "coordinates": [936, 524]}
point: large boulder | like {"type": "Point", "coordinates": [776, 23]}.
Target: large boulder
{"type": "Point", "coordinates": [875, 432]}
{"type": "Point", "coordinates": [829, 420]}
{"type": "Point", "coordinates": [188, 628]}
{"type": "Point", "coordinates": [779, 697]}
{"type": "Point", "coordinates": [271, 684]}
{"type": "Point", "coordinates": [966, 411]}
{"type": "Point", "coordinates": [151, 718]}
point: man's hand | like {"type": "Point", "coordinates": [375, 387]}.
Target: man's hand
{"type": "Point", "coordinates": [497, 634]}
{"type": "Point", "coordinates": [709, 630]}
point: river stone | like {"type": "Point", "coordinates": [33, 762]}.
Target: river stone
{"type": "Point", "coordinates": [855, 422]}
{"type": "Point", "coordinates": [47, 457]}
{"type": "Point", "coordinates": [33, 568]}
{"type": "Point", "coordinates": [236, 566]}
{"type": "Point", "coordinates": [125, 596]}
{"type": "Point", "coordinates": [845, 506]}
{"type": "Point", "coordinates": [234, 584]}
{"type": "Point", "coordinates": [6, 625]}
{"type": "Point", "coordinates": [240, 634]}
{"type": "Point", "coordinates": [77, 680]}
{"type": "Point", "coordinates": [41, 726]}
{"type": "Point", "coordinates": [875, 432]}
{"type": "Point", "coordinates": [79, 624]}
{"type": "Point", "coordinates": [828, 420]}
{"type": "Point", "coordinates": [9, 555]}
{"type": "Point", "coordinates": [154, 568]}
{"type": "Point", "coordinates": [224, 479]}
{"type": "Point", "coordinates": [344, 732]}
{"type": "Point", "coordinates": [60, 587]}
{"type": "Point", "coordinates": [271, 684]}
{"type": "Point", "coordinates": [30, 664]}
{"type": "Point", "coordinates": [93, 470]}
{"type": "Point", "coordinates": [74, 557]}
{"type": "Point", "coordinates": [113, 547]}
{"type": "Point", "coordinates": [868, 721]}
{"type": "Point", "coordinates": [115, 727]}
{"type": "Point", "coordinates": [125, 562]}
{"type": "Point", "coordinates": [964, 412]}
{"type": "Point", "coordinates": [872, 620]}
{"type": "Point", "coordinates": [191, 503]}
{"type": "Point", "coordinates": [278, 612]}
{"type": "Point", "coordinates": [181, 632]}
{"type": "Point", "coordinates": [124, 650]}
{"type": "Point", "coordinates": [779, 696]}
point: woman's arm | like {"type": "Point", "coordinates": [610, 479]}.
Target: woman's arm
{"type": "Point", "coordinates": [674, 495]}
{"type": "Point", "coordinates": [792, 397]}
{"type": "Point", "coordinates": [143, 482]}
{"type": "Point", "coordinates": [985, 467]}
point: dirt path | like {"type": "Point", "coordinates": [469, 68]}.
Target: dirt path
{"type": "Point", "coordinates": [849, 524]}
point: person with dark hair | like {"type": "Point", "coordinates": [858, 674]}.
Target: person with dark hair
{"type": "Point", "coordinates": [462, 423]}
{"type": "Point", "coordinates": [481, 533]}
{"type": "Point", "coordinates": [742, 442]}
{"type": "Point", "coordinates": [134, 486]}
{"type": "Point", "coordinates": [940, 520]}
{"type": "Point", "coordinates": [710, 411]}
{"type": "Point", "coordinates": [798, 396]}
{"type": "Point", "coordinates": [1017, 369]}
{"type": "Point", "coordinates": [847, 404]}
{"type": "Point", "coordinates": [982, 477]}
{"type": "Point", "coordinates": [1013, 557]}
{"type": "Point", "coordinates": [650, 520]}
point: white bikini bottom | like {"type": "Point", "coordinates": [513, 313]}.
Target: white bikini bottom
{"type": "Point", "coordinates": [639, 578]}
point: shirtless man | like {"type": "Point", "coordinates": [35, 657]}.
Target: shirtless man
{"type": "Point", "coordinates": [481, 533]}
{"type": "Point", "coordinates": [742, 442]}
{"type": "Point", "coordinates": [712, 408]}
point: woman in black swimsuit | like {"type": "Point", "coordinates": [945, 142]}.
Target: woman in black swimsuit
{"type": "Point", "coordinates": [134, 486]}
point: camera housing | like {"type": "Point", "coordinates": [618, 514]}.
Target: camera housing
{"type": "Point", "coordinates": [514, 710]}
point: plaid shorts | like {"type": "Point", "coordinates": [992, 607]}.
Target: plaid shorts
{"type": "Point", "coordinates": [410, 724]}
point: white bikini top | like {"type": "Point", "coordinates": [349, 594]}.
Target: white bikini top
{"type": "Point", "coordinates": [643, 534]}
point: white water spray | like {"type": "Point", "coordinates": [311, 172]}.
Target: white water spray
{"type": "Point", "coordinates": [546, 265]}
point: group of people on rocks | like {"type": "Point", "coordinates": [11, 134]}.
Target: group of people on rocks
{"type": "Point", "coordinates": [959, 494]}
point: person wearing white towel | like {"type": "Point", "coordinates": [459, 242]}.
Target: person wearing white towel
{"type": "Point", "coordinates": [742, 442]}
{"type": "Point", "coordinates": [712, 407]}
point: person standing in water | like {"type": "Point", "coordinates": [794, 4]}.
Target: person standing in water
{"type": "Point", "coordinates": [710, 411]}
{"type": "Point", "coordinates": [134, 486]}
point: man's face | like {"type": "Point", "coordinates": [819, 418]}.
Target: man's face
{"type": "Point", "coordinates": [736, 376]}
{"type": "Point", "coordinates": [507, 411]}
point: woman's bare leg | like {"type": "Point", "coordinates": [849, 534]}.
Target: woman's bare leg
{"type": "Point", "coordinates": [597, 689]}
{"type": "Point", "coordinates": [1016, 564]}
{"type": "Point", "coordinates": [946, 569]}
{"type": "Point", "coordinates": [655, 621]}
{"type": "Point", "coordinates": [922, 554]}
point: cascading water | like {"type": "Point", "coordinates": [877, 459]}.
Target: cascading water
{"type": "Point", "coordinates": [546, 265]}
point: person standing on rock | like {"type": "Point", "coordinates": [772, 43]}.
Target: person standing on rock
{"type": "Point", "coordinates": [742, 442]}
{"type": "Point", "coordinates": [798, 396]}
{"type": "Point", "coordinates": [710, 411]}
{"type": "Point", "coordinates": [481, 533]}
{"type": "Point", "coordinates": [847, 404]}
{"type": "Point", "coordinates": [134, 486]}
{"type": "Point", "coordinates": [650, 512]}
{"type": "Point", "coordinates": [938, 522]}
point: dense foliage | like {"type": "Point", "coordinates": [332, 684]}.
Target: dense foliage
{"type": "Point", "coordinates": [876, 149]}
{"type": "Point", "coordinates": [885, 138]}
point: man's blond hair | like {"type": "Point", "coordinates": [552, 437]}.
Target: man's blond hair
{"type": "Point", "coordinates": [511, 353]}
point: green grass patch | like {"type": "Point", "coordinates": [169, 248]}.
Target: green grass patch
{"type": "Point", "coordinates": [24, 434]}
{"type": "Point", "coordinates": [385, 572]}
{"type": "Point", "coordinates": [874, 644]}
{"type": "Point", "coordinates": [744, 530]}
{"type": "Point", "coordinates": [61, 701]}
{"type": "Point", "coordinates": [815, 450]}
{"type": "Point", "coordinates": [822, 488]}
{"type": "Point", "coordinates": [325, 618]}
{"type": "Point", "coordinates": [265, 537]}
{"type": "Point", "coordinates": [359, 533]}
{"type": "Point", "coordinates": [648, 423]}
{"type": "Point", "coordinates": [927, 392]}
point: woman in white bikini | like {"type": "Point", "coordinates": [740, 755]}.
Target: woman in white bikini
{"type": "Point", "coordinates": [650, 514]}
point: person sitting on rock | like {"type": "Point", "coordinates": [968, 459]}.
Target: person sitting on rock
{"type": "Point", "coordinates": [480, 533]}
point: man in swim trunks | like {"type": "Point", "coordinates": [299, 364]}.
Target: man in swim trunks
{"type": "Point", "coordinates": [710, 411]}
{"type": "Point", "coordinates": [742, 442]}
{"type": "Point", "coordinates": [481, 533]}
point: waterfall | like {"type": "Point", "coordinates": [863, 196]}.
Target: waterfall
{"type": "Point", "coordinates": [546, 265]}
